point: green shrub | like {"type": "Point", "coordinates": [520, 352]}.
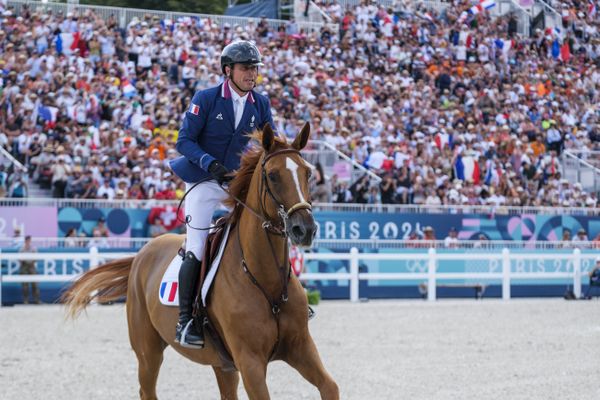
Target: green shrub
{"type": "Point", "coordinates": [314, 296]}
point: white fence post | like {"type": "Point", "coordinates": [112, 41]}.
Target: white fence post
{"type": "Point", "coordinates": [94, 261]}
{"type": "Point", "coordinates": [0, 278]}
{"type": "Point", "coordinates": [505, 274]}
{"type": "Point", "coordinates": [431, 284]}
{"type": "Point", "coordinates": [354, 275]}
{"type": "Point", "coordinates": [577, 273]}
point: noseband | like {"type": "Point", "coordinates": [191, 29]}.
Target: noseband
{"type": "Point", "coordinates": [284, 214]}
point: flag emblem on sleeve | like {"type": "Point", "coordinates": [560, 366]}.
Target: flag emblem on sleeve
{"type": "Point", "coordinates": [194, 109]}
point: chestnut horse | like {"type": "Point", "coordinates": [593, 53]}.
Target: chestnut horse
{"type": "Point", "coordinates": [257, 307]}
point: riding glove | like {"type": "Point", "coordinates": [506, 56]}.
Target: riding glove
{"type": "Point", "coordinates": [219, 172]}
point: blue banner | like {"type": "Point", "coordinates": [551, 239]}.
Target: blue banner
{"type": "Point", "coordinates": [400, 226]}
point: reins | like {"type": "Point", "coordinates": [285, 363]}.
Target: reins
{"type": "Point", "coordinates": [283, 269]}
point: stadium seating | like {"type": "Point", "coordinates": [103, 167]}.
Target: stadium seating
{"type": "Point", "coordinates": [449, 108]}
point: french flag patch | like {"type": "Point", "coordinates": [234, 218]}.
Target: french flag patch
{"type": "Point", "coordinates": [168, 292]}
{"type": "Point", "coordinates": [194, 109]}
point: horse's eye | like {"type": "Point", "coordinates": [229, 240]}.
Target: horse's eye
{"type": "Point", "coordinates": [309, 173]}
{"type": "Point", "coordinates": [273, 176]}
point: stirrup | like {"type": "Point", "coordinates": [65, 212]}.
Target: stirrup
{"type": "Point", "coordinates": [311, 313]}
{"type": "Point", "coordinates": [184, 333]}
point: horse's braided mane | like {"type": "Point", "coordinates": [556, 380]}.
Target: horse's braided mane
{"type": "Point", "coordinates": [240, 184]}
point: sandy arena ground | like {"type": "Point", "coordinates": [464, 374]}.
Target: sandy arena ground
{"type": "Point", "coordinates": [521, 349]}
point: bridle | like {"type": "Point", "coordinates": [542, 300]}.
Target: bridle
{"type": "Point", "coordinates": [265, 189]}
{"type": "Point", "coordinates": [280, 229]}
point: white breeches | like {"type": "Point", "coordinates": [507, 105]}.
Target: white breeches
{"type": "Point", "coordinates": [200, 204]}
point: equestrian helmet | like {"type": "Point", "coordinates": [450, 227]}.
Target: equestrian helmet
{"type": "Point", "coordinates": [240, 52]}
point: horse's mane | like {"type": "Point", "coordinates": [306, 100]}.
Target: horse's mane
{"type": "Point", "coordinates": [240, 184]}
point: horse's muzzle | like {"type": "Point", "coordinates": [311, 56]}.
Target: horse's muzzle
{"type": "Point", "coordinates": [302, 228]}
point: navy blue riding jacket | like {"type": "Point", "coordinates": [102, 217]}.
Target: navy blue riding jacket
{"type": "Point", "coordinates": [208, 131]}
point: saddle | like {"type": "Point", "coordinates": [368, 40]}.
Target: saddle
{"type": "Point", "coordinates": [200, 314]}
{"type": "Point", "coordinates": [211, 249]}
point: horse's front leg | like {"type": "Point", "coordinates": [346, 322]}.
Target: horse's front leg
{"type": "Point", "coordinates": [253, 369]}
{"type": "Point", "coordinates": [228, 383]}
{"type": "Point", "coordinates": [302, 355]}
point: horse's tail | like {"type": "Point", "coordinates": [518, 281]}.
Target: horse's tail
{"type": "Point", "coordinates": [106, 283]}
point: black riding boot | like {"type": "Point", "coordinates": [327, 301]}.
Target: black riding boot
{"type": "Point", "coordinates": [186, 333]}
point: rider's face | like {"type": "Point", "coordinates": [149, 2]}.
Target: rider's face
{"type": "Point", "coordinates": [243, 76]}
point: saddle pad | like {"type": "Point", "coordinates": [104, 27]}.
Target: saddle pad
{"type": "Point", "coordinates": [169, 288]}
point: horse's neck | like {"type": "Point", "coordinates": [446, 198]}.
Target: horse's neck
{"type": "Point", "coordinates": [262, 258]}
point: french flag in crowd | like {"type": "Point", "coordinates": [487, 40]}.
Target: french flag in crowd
{"type": "Point", "coordinates": [592, 9]}
{"type": "Point", "coordinates": [565, 52]}
{"type": "Point", "coordinates": [477, 8]}
{"type": "Point", "coordinates": [466, 168]}
{"type": "Point", "coordinates": [48, 114]}
{"type": "Point", "coordinates": [442, 139]}
{"type": "Point", "coordinates": [555, 49]}
{"type": "Point", "coordinates": [483, 5]}
{"type": "Point", "coordinates": [493, 173]}
{"type": "Point", "coordinates": [168, 291]}
{"type": "Point", "coordinates": [66, 43]}
{"type": "Point", "coordinates": [128, 89]}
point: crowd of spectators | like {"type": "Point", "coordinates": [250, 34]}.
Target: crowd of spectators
{"type": "Point", "coordinates": [446, 109]}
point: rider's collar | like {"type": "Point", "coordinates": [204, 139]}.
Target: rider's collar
{"type": "Point", "coordinates": [226, 92]}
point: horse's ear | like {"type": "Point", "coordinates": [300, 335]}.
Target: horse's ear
{"type": "Point", "coordinates": [267, 137]}
{"type": "Point", "coordinates": [302, 137]}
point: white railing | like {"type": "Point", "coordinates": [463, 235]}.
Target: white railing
{"type": "Point", "coordinates": [77, 243]}
{"type": "Point", "coordinates": [5, 154]}
{"type": "Point", "coordinates": [136, 243]}
{"type": "Point", "coordinates": [327, 154]}
{"type": "Point", "coordinates": [576, 168]}
{"type": "Point", "coordinates": [93, 256]}
{"type": "Point", "coordinates": [432, 276]}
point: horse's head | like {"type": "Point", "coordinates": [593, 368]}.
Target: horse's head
{"type": "Point", "coordinates": [284, 189]}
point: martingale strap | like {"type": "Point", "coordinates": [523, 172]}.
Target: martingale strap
{"type": "Point", "coordinates": [274, 304]}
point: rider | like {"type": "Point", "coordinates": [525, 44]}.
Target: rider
{"type": "Point", "coordinates": [211, 140]}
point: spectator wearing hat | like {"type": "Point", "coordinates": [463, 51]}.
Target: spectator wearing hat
{"type": "Point", "coordinates": [60, 173]}
{"type": "Point", "coordinates": [581, 239]}
{"type": "Point", "coordinates": [429, 240]}
{"type": "Point", "coordinates": [451, 241]}
{"type": "Point", "coordinates": [75, 187]}
{"type": "Point", "coordinates": [106, 191]}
